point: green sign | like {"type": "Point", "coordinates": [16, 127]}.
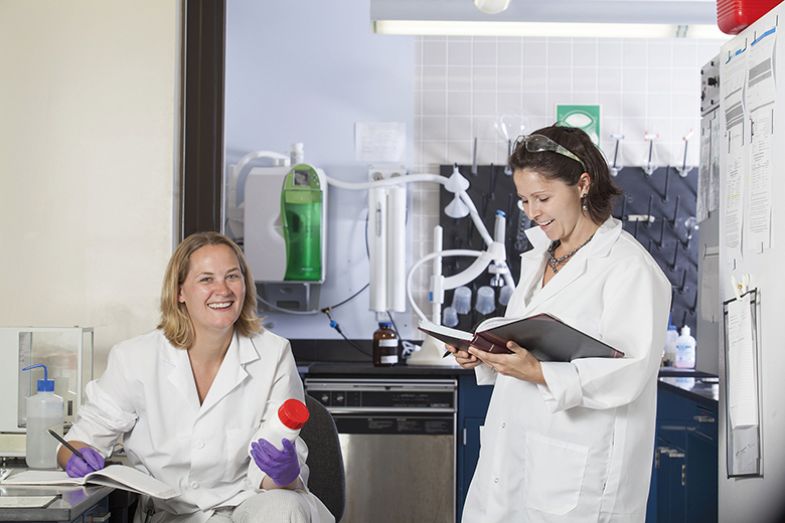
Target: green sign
{"type": "Point", "coordinates": [584, 117]}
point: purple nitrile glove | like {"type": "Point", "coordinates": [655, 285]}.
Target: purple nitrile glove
{"type": "Point", "coordinates": [77, 468]}
{"type": "Point", "coordinates": [282, 466]}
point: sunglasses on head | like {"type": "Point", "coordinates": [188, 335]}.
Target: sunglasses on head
{"type": "Point", "coordinates": [538, 143]}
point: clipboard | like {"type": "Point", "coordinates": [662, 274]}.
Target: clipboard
{"type": "Point", "coordinates": [744, 452]}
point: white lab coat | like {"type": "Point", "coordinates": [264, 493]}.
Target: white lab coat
{"type": "Point", "coordinates": [578, 449]}
{"type": "Point", "coordinates": [148, 394]}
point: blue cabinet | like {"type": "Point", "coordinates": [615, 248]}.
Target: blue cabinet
{"type": "Point", "coordinates": [473, 402]}
{"type": "Point", "coordinates": [684, 475]}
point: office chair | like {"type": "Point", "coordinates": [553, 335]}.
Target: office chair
{"type": "Point", "coordinates": [327, 479]}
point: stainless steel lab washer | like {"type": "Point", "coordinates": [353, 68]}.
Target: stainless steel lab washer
{"type": "Point", "coordinates": [398, 442]}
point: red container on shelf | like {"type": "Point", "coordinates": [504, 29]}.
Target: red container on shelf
{"type": "Point", "coordinates": [734, 15]}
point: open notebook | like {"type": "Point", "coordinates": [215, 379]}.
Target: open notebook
{"type": "Point", "coordinates": [545, 336]}
{"type": "Point", "coordinates": [116, 476]}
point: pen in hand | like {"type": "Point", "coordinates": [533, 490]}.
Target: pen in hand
{"type": "Point", "coordinates": [70, 447]}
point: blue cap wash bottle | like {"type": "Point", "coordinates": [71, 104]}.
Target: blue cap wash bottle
{"type": "Point", "coordinates": [44, 412]}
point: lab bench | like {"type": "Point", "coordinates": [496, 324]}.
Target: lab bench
{"type": "Point", "coordinates": [72, 504]}
{"type": "Point", "coordinates": [684, 474]}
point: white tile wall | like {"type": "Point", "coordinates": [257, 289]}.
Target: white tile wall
{"type": "Point", "coordinates": [465, 85]}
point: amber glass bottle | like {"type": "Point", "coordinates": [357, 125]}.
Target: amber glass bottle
{"type": "Point", "coordinates": [385, 345]}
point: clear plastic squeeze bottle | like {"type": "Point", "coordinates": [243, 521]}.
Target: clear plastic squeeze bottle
{"type": "Point", "coordinates": [685, 349]}
{"type": "Point", "coordinates": [44, 412]}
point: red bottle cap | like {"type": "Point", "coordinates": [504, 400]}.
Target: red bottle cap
{"type": "Point", "coordinates": [293, 413]}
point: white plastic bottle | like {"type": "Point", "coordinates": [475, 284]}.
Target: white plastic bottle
{"type": "Point", "coordinates": [685, 349]}
{"type": "Point", "coordinates": [292, 415]}
{"type": "Point", "coordinates": [669, 359]}
{"type": "Point", "coordinates": [44, 412]}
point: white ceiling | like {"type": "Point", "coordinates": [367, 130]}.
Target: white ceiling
{"type": "Point", "coordinates": [676, 12]}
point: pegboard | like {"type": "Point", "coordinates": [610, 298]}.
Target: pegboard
{"type": "Point", "coordinates": [490, 189]}
{"type": "Point", "coordinates": [664, 195]}
{"type": "Point", "coordinates": [670, 199]}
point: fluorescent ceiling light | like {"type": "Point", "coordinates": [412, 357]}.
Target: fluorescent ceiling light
{"type": "Point", "coordinates": [673, 12]}
{"type": "Point", "coordinates": [491, 7]}
{"type": "Point", "coordinates": [543, 29]}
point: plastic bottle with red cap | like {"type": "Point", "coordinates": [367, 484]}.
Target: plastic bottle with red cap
{"type": "Point", "coordinates": [290, 418]}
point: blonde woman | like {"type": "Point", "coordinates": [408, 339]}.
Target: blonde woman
{"type": "Point", "coordinates": [190, 397]}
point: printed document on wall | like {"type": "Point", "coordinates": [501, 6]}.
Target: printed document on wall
{"type": "Point", "coordinates": [757, 233]}
{"type": "Point", "coordinates": [760, 101]}
{"type": "Point", "coordinates": [704, 172]}
{"type": "Point", "coordinates": [714, 174]}
{"type": "Point", "coordinates": [734, 74]}
{"type": "Point", "coordinates": [379, 141]}
{"type": "Point", "coordinates": [742, 390]}
{"type": "Point", "coordinates": [709, 171]}
{"type": "Point", "coordinates": [709, 291]}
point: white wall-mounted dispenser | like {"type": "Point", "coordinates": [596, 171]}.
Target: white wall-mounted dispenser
{"type": "Point", "coordinates": [285, 233]}
{"type": "Point", "coordinates": [387, 241]}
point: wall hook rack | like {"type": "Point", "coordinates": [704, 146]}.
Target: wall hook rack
{"type": "Point", "coordinates": [508, 167]}
{"type": "Point", "coordinates": [690, 225]}
{"type": "Point", "coordinates": [665, 238]}
{"type": "Point", "coordinates": [672, 221]}
{"type": "Point", "coordinates": [474, 157]}
{"type": "Point", "coordinates": [683, 285]}
{"type": "Point", "coordinates": [492, 184]}
{"type": "Point", "coordinates": [672, 263]}
{"type": "Point", "coordinates": [648, 165]}
{"type": "Point", "coordinates": [694, 305]}
{"type": "Point", "coordinates": [684, 169]}
{"type": "Point", "coordinates": [659, 242]}
{"type": "Point", "coordinates": [615, 166]}
{"type": "Point", "coordinates": [511, 197]}
{"type": "Point", "coordinates": [664, 195]}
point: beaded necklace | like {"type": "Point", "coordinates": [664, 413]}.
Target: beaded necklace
{"type": "Point", "coordinates": [554, 262]}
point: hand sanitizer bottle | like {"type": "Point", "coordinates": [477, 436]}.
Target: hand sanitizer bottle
{"type": "Point", "coordinates": [44, 412]}
{"type": "Point", "coordinates": [685, 349]}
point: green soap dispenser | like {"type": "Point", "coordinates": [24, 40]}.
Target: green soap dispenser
{"type": "Point", "coordinates": [302, 198]}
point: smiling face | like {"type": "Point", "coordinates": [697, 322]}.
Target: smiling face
{"type": "Point", "coordinates": [551, 203]}
{"type": "Point", "coordinates": [213, 290]}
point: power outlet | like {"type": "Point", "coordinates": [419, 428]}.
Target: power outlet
{"type": "Point", "coordinates": [385, 172]}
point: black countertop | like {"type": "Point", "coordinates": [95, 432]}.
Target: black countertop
{"type": "Point", "coordinates": [692, 383]}
{"type": "Point", "coordinates": [353, 368]}
{"type": "Point", "coordinates": [335, 358]}
{"type": "Point", "coordinates": [704, 390]}
{"type": "Point", "coordinates": [686, 381]}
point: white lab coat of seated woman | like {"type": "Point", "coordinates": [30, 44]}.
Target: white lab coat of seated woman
{"type": "Point", "coordinates": [148, 395]}
{"type": "Point", "coordinates": [579, 448]}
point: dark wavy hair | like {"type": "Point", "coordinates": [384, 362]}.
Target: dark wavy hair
{"type": "Point", "coordinates": [552, 165]}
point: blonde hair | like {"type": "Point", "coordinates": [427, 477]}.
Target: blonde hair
{"type": "Point", "coordinates": [175, 321]}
